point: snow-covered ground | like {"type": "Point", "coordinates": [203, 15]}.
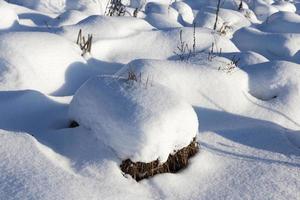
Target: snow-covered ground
{"type": "Point", "coordinates": [150, 84]}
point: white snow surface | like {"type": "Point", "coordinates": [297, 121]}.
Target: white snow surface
{"type": "Point", "coordinates": [35, 66]}
{"type": "Point", "coordinates": [236, 88]}
{"type": "Point", "coordinates": [8, 16]}
{"type": "Point", "coordinates": [103, 27]}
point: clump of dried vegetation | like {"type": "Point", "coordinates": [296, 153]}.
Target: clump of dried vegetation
{"type": "Point", "coordinates": [133, 77]}
{"type": "Point", "coordinates": [225, 28]}
{"type": "Point", "coordinates": [211, 54]}
{"type": "Point", "coordinates": [230, 66]}
{"type": "Point", "coordinates": [84, 44]}
{"type": "Point", "coordinates": [175, 162]}
{"type": "Point", "coordinates": [184, 51]}
{"type": "Point", "coordinates": [115, 8]}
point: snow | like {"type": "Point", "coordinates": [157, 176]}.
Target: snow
{"type": "Point", "coordinates": [123, 50]}
{"type": "Point", "coordinates": [58, 6]}
{"type": "Point", "coordinates": [236, 89]}
{"type": "Point", "coordinates": [257, 86]}
{"type": "Point", "coordinates": [161, 9]}
{"type": "Point", "coordinates": [185, 12]}
{"type": "Point", "coordinates": [35, 68]}
{"type": "Point", "coordinates": [190, 79]}
{"type": "Point", "coordinates": [285, 47]}
{"type": "Point", "coordinates": [103, 27]}
{"type": "Point", "coordinates": [69, 17]}
{"type": "Point", "coordinates": [31, 170]}
{"type": "Point", "coordinates": [134, 118]}
{"type": "Point", "coordinates": [290, 21]}
{"type": "Point", "coordinates": [8, 16]}
{"type": "Point", "coordinates": [233, 19]}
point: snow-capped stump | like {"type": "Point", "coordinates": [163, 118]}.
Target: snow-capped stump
{"type": "Point", "coordinates": [8, 16]}
{"type": "Point", "coordinates": [139, 119]}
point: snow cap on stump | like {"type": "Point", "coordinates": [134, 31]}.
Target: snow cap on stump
{"type": "Point", "coordinates": [141, 120]}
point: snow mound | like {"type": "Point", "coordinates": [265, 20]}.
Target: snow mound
{"type": "Point", "coordinates": [162, 22]}
{"type": "Point", "coordinates": [32, 170]}
{"type": "Point", "coordinates": [268, 91]}
{"type": "Point", "coordinates": [28, 66]}
{"type": "Point", "coordinates": [140, 120]}
{"type": "Point", "coordinates": [87, 6]}
{"type": "Point", "coordinates": [69, 17]}
{"type": "Point", "coordinates": [228, 4]}
{"type": "Point", "coordinates": [276, 45]}
{"type": "Point", "coordinates": [282, 22]}
{"type": "Point", "coordinates": [274, 80]}
{"type": "Point", "coordinates": [262, 9]}
{"type": "Point", "coordinates": [246, 58]}
{"type": "Point", "coordinates": [276, 86]}
{"type": "Point", "coordinates": [162, 16]}
{"type": "Point", "coordinates": [284, 6]}
{"type": "Point", "coordinates": [59, 6]}
{"type": "Point", "coordinates": [230, 18]}
{"type": "Point", "coordinates": [32, 117]}
{"type": "Point", "coordinates": [8, 16]}
{"type": "Point", "coordinates": [162, 9]}
{"type": "Point", "coordinates": [159, 45]}
{"type": "Point", "coordinates": [103, 27]}
{"type": "Point", "coordinates": [189, 80]}
{"type": "Point", "coordinates": [207, 20]}
{"type": "Point", "coordinates": [45, 5]}
{"type": "Point", "coordinates": [186, 15]}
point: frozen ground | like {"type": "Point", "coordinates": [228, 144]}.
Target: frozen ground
{"type": "Point", "coordinates": [241, 98]}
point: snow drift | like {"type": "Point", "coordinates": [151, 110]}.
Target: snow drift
{"type": "Point", "coordinates": [33, 60]}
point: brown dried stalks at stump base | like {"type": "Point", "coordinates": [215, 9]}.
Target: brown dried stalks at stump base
{"type": "Point", "coordinates": [174, 163]}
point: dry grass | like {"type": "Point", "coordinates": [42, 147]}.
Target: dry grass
{"type": "Point", "coordinates": [174, 163]}
{"type": "Point", "coordinates": [115, 8]}
{"type": "Point", "coordinates": [84, 44]}
{"type": "Point", "coordinates": [184, 52]}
